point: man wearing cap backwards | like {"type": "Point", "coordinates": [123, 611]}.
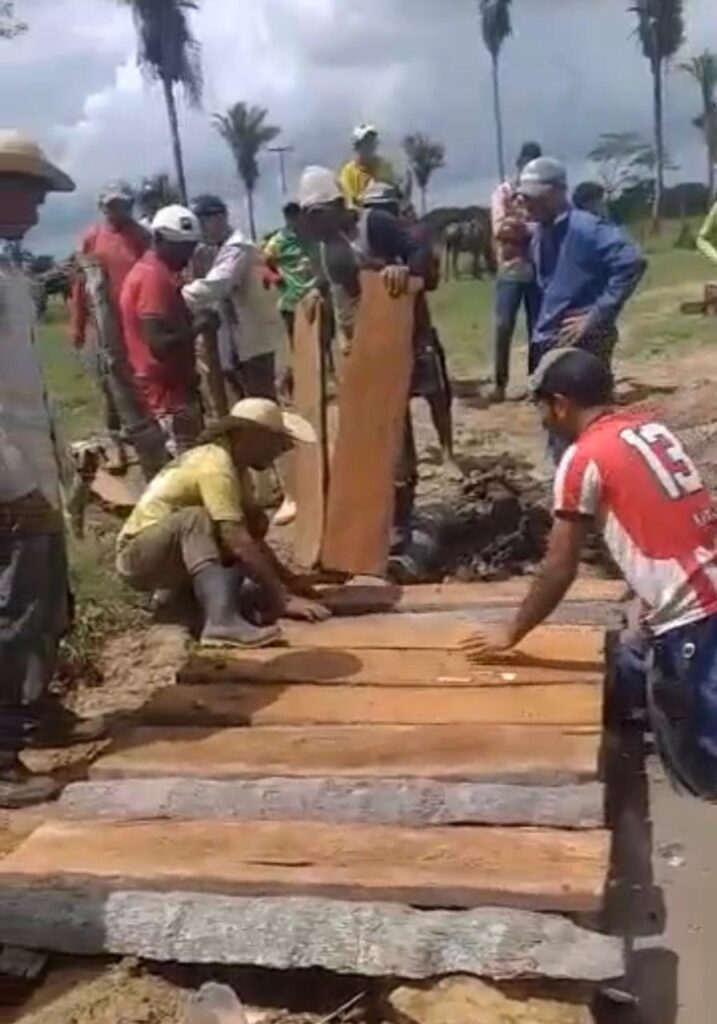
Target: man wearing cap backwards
{"type": "Point", "coordinates": [159, 332]}
{"type": "Point", "coordinates": [366, 166]}
{"type": "Point", "coordinates": [586, 266]}
{"type": "Point", "coordinates": [515, 284]}
{"type": "Point", "coordinates": [33, 563]}
{"type": "Point", "coordinates": [631, 475]}
{"type": "Point", "coordinates": [117, 243]}
{"type": "Point", "coordinates": [198, 521]}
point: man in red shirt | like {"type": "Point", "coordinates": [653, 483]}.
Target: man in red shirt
{"type": "Point", "coordinates": [158, 329]}
{"type": "Point", "coordinates": [116, 243]}
{"type": "Point", "coordinates": [629, 474]}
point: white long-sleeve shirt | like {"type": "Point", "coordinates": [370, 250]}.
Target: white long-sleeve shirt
{"type": "Point", "coordinates": [234, 288]}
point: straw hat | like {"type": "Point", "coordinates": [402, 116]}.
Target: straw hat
{"type": "Point", "coordinates": [20, 155]}
{"type": "Point", "coordinates": [262, 412]}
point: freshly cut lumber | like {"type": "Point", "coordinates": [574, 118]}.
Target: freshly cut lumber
{"type": "Point", "coordinates": [310, 461]}
{"type": "Point", "coordinates": [364, 666]}
{"type": "Point", "coordinates": [278, 704]}
{"type": "Point", "coordinates": [370, 939]}
{"type": "Point", "coordinates": [373, 400]}
{"type": "Point", "coordinates": [536, 869]}
{"type": "Point", "coordinates": [556, 646]}
{"type": "Point", "coordinates": [517, 754]}
{"type": "Point", "coordinates": [408, 802]}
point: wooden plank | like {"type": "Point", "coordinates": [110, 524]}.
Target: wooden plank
{"type": "Point", "coordinates": [310, 461]}
{"type": "Point", "coordinates": [373, 400]}
{"type": "Point", "coordinates": [536, 869]}
{"type": "Point", "coordinates": [270, 704]}
{"type": "Point", "coordinates": [540, 756]}
{"type": "Point", "coordinates": [364, 667]}
{"type": "Point", "coordinates": [581, 647]}
{"type": "Point", "coordinates": [368, 939]}
{"type": "Point", "coordinates": [407, 802]}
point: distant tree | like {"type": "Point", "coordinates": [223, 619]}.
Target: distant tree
{"type": "Point", "coordinates": [703, 69]}
{"type": "Point", "coordinates": [169, 53]}
{"type": "Point", "coordinates": [661, 31]}
{"type": "Point", "coordinates": [425, 156]}
{"type": "Point", "coordinates": [245, 131]}
{"type": "Point", "coordinates": [9, 24]}
{"type": "Point", "coordinates": [160, 189]}
{"type": "Point", "coordinates": [622, 160]}
{"type": "Point", "coordinates": [496, 28]}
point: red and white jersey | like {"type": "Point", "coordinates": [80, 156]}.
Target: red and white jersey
{"type": "Point", "coordinates": [659, 522]}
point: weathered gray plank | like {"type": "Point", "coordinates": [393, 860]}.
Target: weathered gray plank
{"type": "Point", "coordinates": [371, 939]}
{"type": "Point", "coordinates": [411, 802]}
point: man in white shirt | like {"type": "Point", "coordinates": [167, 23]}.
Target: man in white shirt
{"type": "Point", "coordinates": [33, 563]}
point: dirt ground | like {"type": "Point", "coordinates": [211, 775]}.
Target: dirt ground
{"type": "Point", "coordinates": [670, 970]}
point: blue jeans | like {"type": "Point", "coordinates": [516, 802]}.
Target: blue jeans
{"type": "Point", "coordinates": [509, 297]}
{"type": "Point", "coordinates": [680, 672]}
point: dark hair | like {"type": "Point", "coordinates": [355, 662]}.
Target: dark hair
{"type": "Point", "coordinates": [529, 151]}
{"type": "Point", "coordinates": [579, 376]}
{"type": "Point", "coordinates": [587, 192]}
{"type": "Point", "coordinates": [208, 205]}
{"type": "Point", "coordinates": [292, 209]}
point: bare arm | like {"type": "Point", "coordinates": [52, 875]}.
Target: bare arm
{"type": "Point", "coordinates": [258, 560]}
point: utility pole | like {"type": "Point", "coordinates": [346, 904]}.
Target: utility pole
{"type": "Point", "coordinates": [281, 152]}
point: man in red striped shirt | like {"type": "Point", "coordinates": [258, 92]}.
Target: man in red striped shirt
{"type": "Point", "coordinates": [629, 474]}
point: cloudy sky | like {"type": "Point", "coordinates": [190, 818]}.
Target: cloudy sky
{"type": "Point", "coordinates": [572, 70]}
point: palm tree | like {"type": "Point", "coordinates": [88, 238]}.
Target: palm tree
{"type": "Point", "coordinates": [246, 132]}
{"type": "Point", "coordinates": [9, 25]}
{"type": "Point", "coordinates": [425, 156]}
{"type": "Point", "coordinates": [661, 30]}
{"type": "Point", "coordinates": [169, 53]}
{"type": "Point", "coordinates": [496, 27]}
{"type": "Point", "coordinates": [704, 71]}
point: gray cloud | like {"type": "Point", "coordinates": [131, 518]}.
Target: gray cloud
{"type": "Point", "coordinates": [572, 70]}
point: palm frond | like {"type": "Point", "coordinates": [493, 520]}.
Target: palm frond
{"type": "Point", "coordinates": [495, 24]}
{"type": "Point", "coordinates": [246, 132]}
{"type": "Point", "coordinates": [660, 27]}
{"type": "Point", "coordinates": [425, 156]}
{"type": "Point", "coordinates": [167, 47]}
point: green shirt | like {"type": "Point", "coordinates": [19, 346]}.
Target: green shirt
{"type": "Point", "coordinates": [707, 238]}
{"type": "Point", "coordinates": [292, 259]}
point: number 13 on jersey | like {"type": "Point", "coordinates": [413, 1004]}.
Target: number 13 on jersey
{"type": "Point", "coordinates": [666, 459]}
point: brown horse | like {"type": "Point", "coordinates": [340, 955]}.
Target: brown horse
{"type": "Point", "coordinates": [472, 237]}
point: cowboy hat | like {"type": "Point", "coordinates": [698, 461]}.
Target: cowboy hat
{"type": "Point", "coordinates": [262, 412]}
{"type": "Point", "coordinates": [20, 155]}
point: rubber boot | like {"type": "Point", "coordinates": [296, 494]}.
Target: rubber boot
{"type": "Point", "coordinates": [216, 590]}
{"type": "Point", "coordinates": [402, 517]}
{"type": "Point", "coordinates": [60, 727]}
{"type": "Point", "coordinates": [19, 787]}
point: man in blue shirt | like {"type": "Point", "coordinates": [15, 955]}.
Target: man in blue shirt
{"type": "Point", "coordinates": [586, 266]}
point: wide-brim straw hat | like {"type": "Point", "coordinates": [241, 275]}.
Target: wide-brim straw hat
{"type": "Point", "coordinates": [262, 412]}
{"type": "Point", "coordinates": [20, 155]}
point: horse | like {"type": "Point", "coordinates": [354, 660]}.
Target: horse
{"type": "Point", "coordinates": [473, 237]}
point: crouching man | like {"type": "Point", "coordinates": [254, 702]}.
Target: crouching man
{"type": "Point", "coordinates": [632, 476]}
{"type": "Point", "coordinates": [198, 521]}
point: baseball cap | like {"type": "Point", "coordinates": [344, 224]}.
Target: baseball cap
{"type": "Point", "coordinates": [318, 187]}
{"type": "Point", "coordinates": [362, 132]}
{"type": "Point", "coordinates": [262, 412]}
{"type": "Point", "coordinates": [116, 191]}
{"type": "Point", "coordinates": [177, 224]}
{"type": "Point", "coordinates": [574, 373]}
{"type": "Point", "coordinates": [542, 174]}
{"type": "Point", "coordinates": [208, 205]}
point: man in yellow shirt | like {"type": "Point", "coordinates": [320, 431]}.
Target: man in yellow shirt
{"type": "Point", "coordinates": [198, 521]}
{"type": "Point", "coordinates": [366, 167]}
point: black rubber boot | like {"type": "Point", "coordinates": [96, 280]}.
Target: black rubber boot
{"type": "Point", "coordinates": [217, 593]}
{"type": "Point", "coordinates": [60, 727]}
{"type": "Point", "coordinates": [19, 787]}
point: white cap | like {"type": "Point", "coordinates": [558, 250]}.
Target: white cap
{"type": "Point", "coordinates": [318, 186]}
{"type": "Point", "coordinates": [262, 412]}
{"type": "Point", "coordinates": [177, 224]}
{"type": "Point", "coordinates": [361, 132]}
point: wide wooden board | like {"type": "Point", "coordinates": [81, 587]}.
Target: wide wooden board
{"type": "Point", "coordinates": [271, 704]}
{"type": "Point", "coordinates": [362, 667]}
{"type": "Point", "coordinates": [536, 869]}
{"type": "Point", "coordinates": [310, 460]}
{"type": "Point", "coordinates": [295, 933]}
{"type": "Point", "coordinates": [528, 754]}
{"type": "Point", "coordinates": [373, 400]}
{"type": "Point", "coordinates": [416, 803]}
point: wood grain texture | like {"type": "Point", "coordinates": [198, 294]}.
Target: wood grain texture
{"type": "Point", "coordinates": [537, 869]}
{"type": "Point", "coordinates": [362, 667]}
{"type": "Point", "coordinates": [293, 933]}
{"type": "Point", "coordinates": [373, 400]}
{"type": "Point", "coordinates": [407, 802]}
{"type": "Point", "coordinates": [272, 704]}
{"type": "Point", "coordinates": [310, 461]}
{"type": "Point", "coordinates": [531, 754]}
